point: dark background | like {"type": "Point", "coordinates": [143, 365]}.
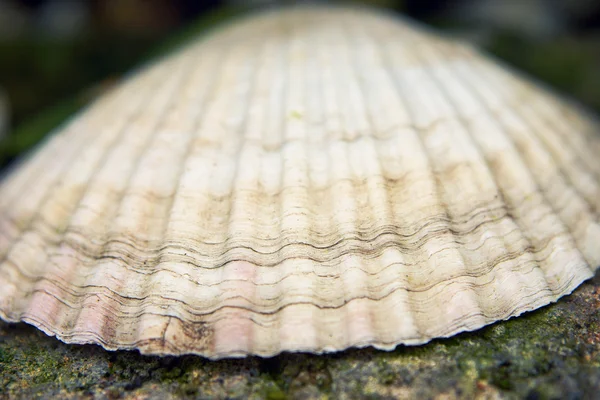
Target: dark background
{"type": "Point", "coordinates": [57, 55]}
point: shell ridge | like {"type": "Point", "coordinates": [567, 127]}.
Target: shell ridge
{"type": "Point", "coordinates": [483, 158]}
{"type": "Point", "coordinates": [541, 188]}
{"type": "Point", "coordinates": [533, 130]}
{"type": "Point", "coordinates": [147, 346]}
{"type": "Point", "coordinates": [403, 316]}
{"type": "Point", "coordinates": [319, 105]}
{"type": "Point", "coordinates": [508, 135]}
{"type": "Point", "coordinates": [80, 317]}
{"type": "Point", "coordinates": [360, 318]}
{"type": "Point", "coordinates": [276, 132]}
{"type": "Point", "coordinates": [249, 272]}
{"type": "Point", "coordinates": [94, 258]}
{"type": "Point", "coordinates": [21, 237]}
{"type": "Point", "coordinates": [549, 99]}
{"type": "Point", "coordinates": [193, 123]}
{"type": "Point", "coordinates": [154, 327]}
{"type": "Point", "coordinates": [477, 314]}
{"type": "Point", "coordinates": [571, 165]}
{"type": "Point", "coordinates": [459, 247]}
{"type": "Point", "coordinates": [33, 160]}
{"type": "Point", "coordinates": [274, 311]}
{"type": "Point", "coordinates": [272, 133]}
{"type": "Point", "coordinates": [71, 128]}
{"type": "Point", "coordinates": [294, 183]}
{"type": "Point", "coordinates": [292, 195]}
{"type": "Point", "coordinates": [389, 67]}
{"type": "Point", "coordinates": [554, 150]}
{"type": "Point", "coordinates": [26, 176]}
{"type": "Point", "coordinates": [98, 110]}
{"type": "Point", "coordinates": [556, 120]}
{"type": "Point", "coordinates": [323, 331]}
{"type": "Point", "coordinates": [224, 333]}
{"type": "Point", "coordinates": [132, 242]}
{"type": "Point", "coordinates": [72, 288]}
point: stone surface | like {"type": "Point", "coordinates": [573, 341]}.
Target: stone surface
{"type": "Point", "coordinates": [550, 353]}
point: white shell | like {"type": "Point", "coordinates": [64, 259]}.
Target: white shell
{"type": "Point", "coordinates": [302, 180]}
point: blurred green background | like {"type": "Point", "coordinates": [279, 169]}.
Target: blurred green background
{"type": "Point", "coordinates": [58, 55]}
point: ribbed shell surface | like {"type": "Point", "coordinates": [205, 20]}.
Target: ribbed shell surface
{"type": "Point", "coordinates": [302, 180]}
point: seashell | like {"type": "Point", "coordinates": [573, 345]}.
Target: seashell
{"type": "Point", "coordinates": [310, 179]}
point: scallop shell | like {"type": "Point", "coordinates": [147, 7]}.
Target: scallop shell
{"type": "Point", "coordinates": [309, 179]}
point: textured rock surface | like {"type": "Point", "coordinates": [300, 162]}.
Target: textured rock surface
{"type": "Point", "coordinates": [547, 354]}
